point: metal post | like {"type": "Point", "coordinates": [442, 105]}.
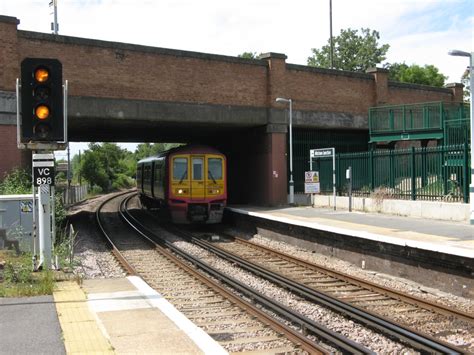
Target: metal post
{"type": "Point", "coordinates": [44, 227]}
{"type": "Point", "coordinates": [334, 175]}
{"type": "Point", "coordinates": [68, 194]}
{"type": "Point", "coordinates": [459, 53]}
{"type": "Point", "coordinates": [291, 183]}
{"type": "Point", "coordinates": [292, 187]}
{"type": "Point", "coordinates": [331, 54]}
{"type": "Point", "coordinates": [471, 186]}
{"type": "Point", "coordinates": [55, 24]}
{"type": "Point", "coordinates": [349, 177]}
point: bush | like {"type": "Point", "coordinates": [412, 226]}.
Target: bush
{"type": "Point", "coordinates": [122, 181]}
{"type": "Point", "coordinates": [18, 181]}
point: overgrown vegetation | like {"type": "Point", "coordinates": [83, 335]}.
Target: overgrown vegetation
{"type": "Point", "coordinates": [17, 279]}
{"type": "Point", "coordinates": [18, 181]}
{"type": "Point", "coordinates": [16, 270]}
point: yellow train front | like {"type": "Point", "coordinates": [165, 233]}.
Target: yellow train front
{"type": "Point", "coordinates": [189, 182]}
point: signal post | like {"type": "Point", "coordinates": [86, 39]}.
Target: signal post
{"type": "Point", "coordinates": [42, 128]}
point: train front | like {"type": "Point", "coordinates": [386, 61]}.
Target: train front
{"type": "Point", "coordinates": [197, 186]}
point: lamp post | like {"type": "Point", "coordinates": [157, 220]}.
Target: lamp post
{"type": "Point", "coordinates": [459, 53]}
{"type": "Point", "coordinates": [292, 185]}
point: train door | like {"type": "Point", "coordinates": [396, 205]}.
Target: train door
{"type": "Point", "coordinates": [198, 191]}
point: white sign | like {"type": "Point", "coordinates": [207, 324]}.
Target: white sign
{"type": "Point", "coordinates": [311, 182]}
{"type": "Point", "coordinates": [326, 152]}
{"type": "Point", "coordinates": [311, 188]}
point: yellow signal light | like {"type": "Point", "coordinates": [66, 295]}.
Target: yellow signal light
{"type": "Point", "coordinates": [42, 112]}
{"type": "Point", "coordinates": [41, 75]}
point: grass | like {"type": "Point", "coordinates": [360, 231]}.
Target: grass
{"type": "Point", "coordinates": [17, 279]}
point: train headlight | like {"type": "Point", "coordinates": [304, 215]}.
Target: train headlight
{"type": "Point", "coordinates": [180, 191]}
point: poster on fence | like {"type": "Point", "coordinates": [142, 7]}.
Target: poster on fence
{"type": "Point", "coordinates": [311, 182]}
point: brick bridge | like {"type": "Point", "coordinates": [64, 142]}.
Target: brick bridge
{"type": "Point", "coordinates": [129, 93]}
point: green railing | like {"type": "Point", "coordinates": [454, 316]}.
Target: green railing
{"type": "Point", "coordinates": [415, 121]}
{"type": "Point", "coordinates": [432, 173]}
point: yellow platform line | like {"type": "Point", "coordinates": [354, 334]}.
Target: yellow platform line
{"type": "Point", "coordinates": [81, 333]}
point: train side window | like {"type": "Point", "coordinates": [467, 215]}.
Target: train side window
{"type": "Point", "coordinates": [180, 168]}
{"type": "Point", "coordinates": [198, 167]}
{"type": "Point", "coordinates": [214, 168]}
{"type": "Point", "coordinates": [157, 171]}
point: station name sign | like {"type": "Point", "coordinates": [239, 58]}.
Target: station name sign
{"type": "Point", "coordinates": [314, 153]}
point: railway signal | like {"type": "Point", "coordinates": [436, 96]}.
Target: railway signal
{"type": "Point", "coordinates": [42, 104]}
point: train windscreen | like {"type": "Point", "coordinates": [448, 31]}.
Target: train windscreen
{"type": "Point", "coordinates": [180, 169]}
{"type": "Point", "coordinates": [214, 166]}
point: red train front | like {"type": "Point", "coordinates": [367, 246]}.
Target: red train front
{"type": "Point", "coordinates": [190, 182]}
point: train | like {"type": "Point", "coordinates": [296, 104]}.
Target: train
{"type": "Point", "coordinates": [189, 183]}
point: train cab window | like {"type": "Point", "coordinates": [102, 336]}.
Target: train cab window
{"type": "Point", "coordinates": [180, 168]}
{"type": "Point", "coordinates": [214, 168]}
{"type": "Point", "coordinates": [198, 168]}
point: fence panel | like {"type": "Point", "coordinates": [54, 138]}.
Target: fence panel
{"type": "Point", "coordinates": [418, 173]}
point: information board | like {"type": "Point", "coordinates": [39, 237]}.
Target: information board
{"type": "Point", "coordinates": [311, 182]}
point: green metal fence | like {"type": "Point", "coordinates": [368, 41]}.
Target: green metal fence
{"type": "Point", "coordinates": [305, 139]}
{"type": "Point", "coordinates": [427, 120]}
{"type": "Point", "coordinates": [432, 173]}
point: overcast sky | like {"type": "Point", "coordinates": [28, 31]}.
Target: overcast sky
{"type": "Point", "coordinates": [418, 31]}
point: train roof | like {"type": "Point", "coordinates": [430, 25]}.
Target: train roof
{"type": "Point", "coordinates": [185, 149]}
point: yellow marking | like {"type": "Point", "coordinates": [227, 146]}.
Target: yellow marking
{"type": "Point", "coordinates": [80, 331]}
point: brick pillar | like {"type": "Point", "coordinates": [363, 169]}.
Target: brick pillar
{"type": "Point", "coordinates": [9, 60]}
{"type": "Point", "coordinates": [12, 157]}
{"type": "Point", "coordinates": [381, 85]}
{"type": "Point", "coordinates": [457, 90]}
{"type": "Point", "coordinates": [274, 167]}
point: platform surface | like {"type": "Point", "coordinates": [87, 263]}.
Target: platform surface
{"type": "Point", "coordinates": [454, 238]}
{"type": "Point", "coordinates": [101, 316]}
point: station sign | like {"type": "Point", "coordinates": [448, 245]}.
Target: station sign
{"type": "Point", "coordinates": [317, 153]}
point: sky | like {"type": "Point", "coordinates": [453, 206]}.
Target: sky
{"type": "Point", "coordinates": [418, 31]}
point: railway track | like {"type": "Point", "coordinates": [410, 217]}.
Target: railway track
{"type": "Point", "coordinates": [236, 324]}
{"type": "Point", "coordinates": [422, 342]}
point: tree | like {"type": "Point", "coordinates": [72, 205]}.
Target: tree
{"type": "Point", "coordinates": [248, 55]}
{"type": "Point", "coordinates": [466, 80]}
{"type": "Point", "coordinates": [93, 171]}
{"type": "Point", "coordinates": [352, 51]}
{"type": "Point", "coordinates": [415, 74]}
{"type": "Point", "coordinates": [144, 150]}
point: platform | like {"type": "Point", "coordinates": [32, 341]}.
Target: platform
{"type": "Point", "coordinates": [102, 316]}
{"type": "Point", "coordinates": [436, 254]}
{"type": "Point", "coordinates": [454, 238]}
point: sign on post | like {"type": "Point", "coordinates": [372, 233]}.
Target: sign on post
{"type": "Point", "coordinates": [325, 153]}
{"type": "Point", "coordinates": [43, 169]}
{"type": "Point", "coordinates": [311, 182]}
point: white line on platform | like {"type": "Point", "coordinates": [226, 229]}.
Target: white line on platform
{"type": "Point", "coordinates": [200, 337]}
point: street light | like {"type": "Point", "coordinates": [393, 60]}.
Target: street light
{"type": "Point", "coordinates": [459, 53]}
{"type": "Point", "coordinates": [292, 185]}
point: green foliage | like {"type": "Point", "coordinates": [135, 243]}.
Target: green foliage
{"type": "Point", "coordinates": [352, 51]}
{"type": "Point", "coordinates": [93, 171]}
{"type": "Point", "coordinates": [122, 181]}
{"type": "Point", "coordinates": [17, 181]}
{"type": "Point", "coordinates": [19, 280]}
{"type": "Point", "coordinates": [466, 80]}
{"type": "Point", "coordinates": [248, 55]}
{"type": "Point", "coordinates": [145, 150]}
{"type": "Point", "coordinates": [415, 74]}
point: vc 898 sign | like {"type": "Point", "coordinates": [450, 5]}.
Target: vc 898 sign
{"type": "Point", "coordinates": [43, 175]}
